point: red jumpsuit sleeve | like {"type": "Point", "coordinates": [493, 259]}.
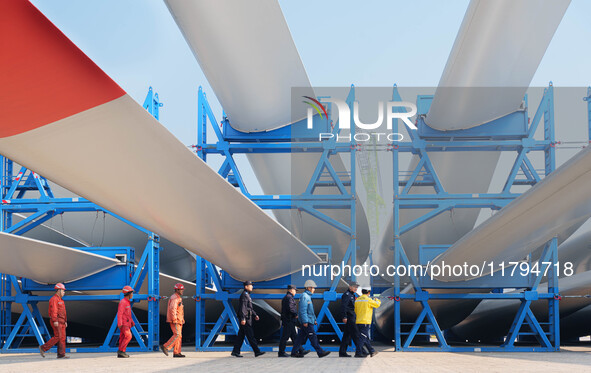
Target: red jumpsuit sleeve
{"type": "Point", "coordinates": [120, 314]}
{"type": "Point", "coordinates": [53, 309]}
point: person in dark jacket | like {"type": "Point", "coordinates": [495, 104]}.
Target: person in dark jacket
{"type": "Point", "coordinates": [246, 314]}
{"type": "Point", "coordinates": [350, 321]}
{"type": "Point", "coordinates": [289, 320]}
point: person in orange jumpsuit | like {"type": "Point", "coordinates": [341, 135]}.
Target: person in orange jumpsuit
{"type": "Point", "coordinates": [124, 321]}
{"type": "Point", "coordinates": [59, 323]}
{"type": "Point", "coordinates": [176, 317]}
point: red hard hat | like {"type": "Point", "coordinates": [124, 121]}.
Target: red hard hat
{"type": "Point", "coordinates": [127, 289]}
{"type": "Point", "coordinates": [59, 286]}
{"type": "Point", "coordinates": [179, 286]}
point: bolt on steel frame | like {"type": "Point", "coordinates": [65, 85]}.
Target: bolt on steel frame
{"type": "Point", "coordinates": [46, 206]}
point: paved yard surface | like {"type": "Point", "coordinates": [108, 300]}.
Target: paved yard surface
{"type": "Point", "coordinates": [571, 359]}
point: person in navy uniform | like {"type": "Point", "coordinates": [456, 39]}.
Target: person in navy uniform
{"type": "Point", "coordinates": [245, 315]}
{"type": "Point", "coordinates": [289, 320]}
{"type": "Point", "coordinates": [350, 320]}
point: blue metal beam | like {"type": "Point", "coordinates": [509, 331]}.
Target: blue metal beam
{"type": "Point", "coordinates": [441, 201]}
{"type": "Point", "coordinates": [273, 142]}
{"type": "Point", "coordinates": [43, 208]}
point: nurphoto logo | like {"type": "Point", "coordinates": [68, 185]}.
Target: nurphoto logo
{"type": "Point", "coordinates": [389, 110]}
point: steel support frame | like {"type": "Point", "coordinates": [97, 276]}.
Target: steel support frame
{"type": "Point", "coordinates": [31, 324]}
{"type": "Point", "coordinates": [441, 201]}
{"type": "Point", "coordinates": [42, 209]}
{"type": "Point", "coordinates": [308, 202]}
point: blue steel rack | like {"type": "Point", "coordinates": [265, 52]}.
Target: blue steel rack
{"type": "Point", "coordinates": [292, 139]}
{"type": "Point", "coordinates": [43, 208]}
{"type": "Point", "coordinates": [511, 133]}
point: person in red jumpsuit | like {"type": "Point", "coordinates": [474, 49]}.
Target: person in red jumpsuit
{"type": "Point", "coordinates": [124, 321]}
{"type": "Point", "coordinates": [176, 317]}
{"type": "Point", "coordinates": [59, 323]}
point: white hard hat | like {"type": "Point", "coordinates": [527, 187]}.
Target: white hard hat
{"type": "Point", "coordinates": [310, 284]}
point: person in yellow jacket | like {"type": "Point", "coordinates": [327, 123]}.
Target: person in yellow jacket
{"type": "Point", "coordinates": [364, 306]}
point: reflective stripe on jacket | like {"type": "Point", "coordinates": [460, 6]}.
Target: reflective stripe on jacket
{"type": "Point", "coordinates": [176, 311]}
{"type": "Point", "coordinates": [364, 306]}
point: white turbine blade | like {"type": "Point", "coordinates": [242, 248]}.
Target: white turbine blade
{"type": "Point", "coordinates": [496, 53]}
{"type": "Point", "coordinates": [559, 203]}
{"type": "Point", "coordinates": [246, 51]}
{"type": "Point", "coordinates": [248, 55]}
{"type": "Point", "coordinates": [96, 141]}
{"type": "Point", "coordinates": [46, 262]}
{"type": "Point", "coordinates": [493, 317]}
{"type": "Point", "coordinates": [494, 58]}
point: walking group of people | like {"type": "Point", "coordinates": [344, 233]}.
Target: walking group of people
{"type": "Point", "coordinates": [356, 313]}
{"type": "Point", "coordinates": [175, 316]}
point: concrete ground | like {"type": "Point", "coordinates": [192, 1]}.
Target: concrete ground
{"type": "Point", "coordinates": [570, 359]}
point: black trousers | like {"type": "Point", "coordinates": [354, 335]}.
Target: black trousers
{"type": "Point", "coordinates": [350, 333]}
{"type": "Point", "coordinates": [248, 332]}
{"type": "Point", "coordinates": [288, 330]}
{"type": "Point", "coordinates": [307, 333]}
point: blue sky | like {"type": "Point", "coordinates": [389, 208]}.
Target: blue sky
{"type": "Point", "coordinates": [372, 43]}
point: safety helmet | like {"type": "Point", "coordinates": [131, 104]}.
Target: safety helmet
{"type": "Point", "coordinates": [127, 289]}
{"type": "Point", "coordinates": [179, 286]}
{"type": "Point", "coordinates": [310, 284]}
{"type": "Point", "coordinates": [59, 286]}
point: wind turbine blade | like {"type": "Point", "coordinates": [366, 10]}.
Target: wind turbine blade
{"type": "Point", "coordinates": [494, 58]}
{"type": "Point", "coordinates": [554, 207]}
{"type": "Point", "coordinates": [46, 262]}
{"type": "Point", "coordinates": [246, 51]}
{"type": "Point", "coordinates": [68, 121]}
